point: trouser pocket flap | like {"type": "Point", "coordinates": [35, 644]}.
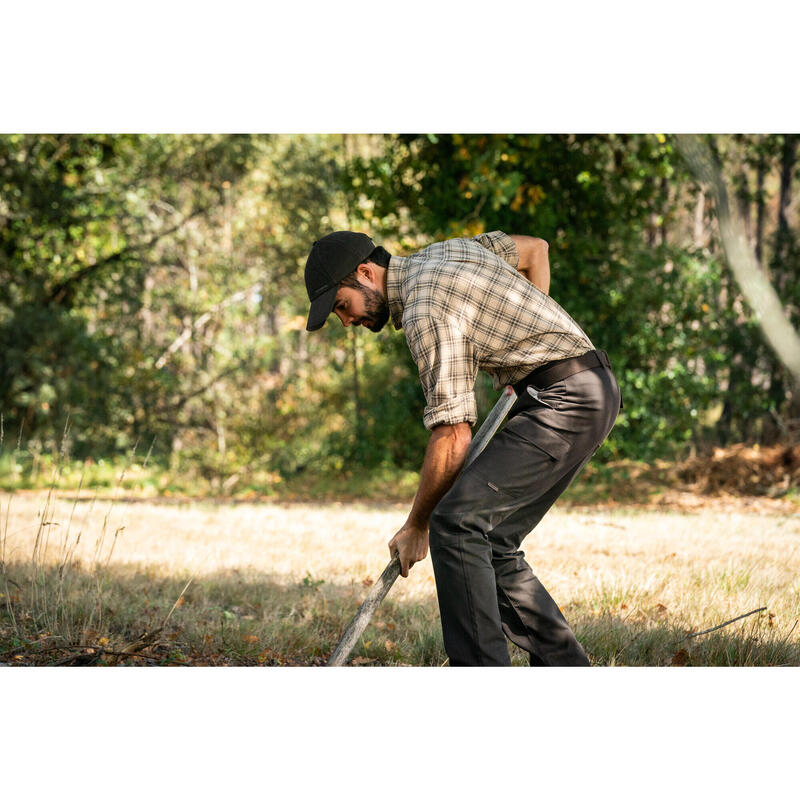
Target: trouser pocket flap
{"type": "Point", "coordinates": [533, 432]}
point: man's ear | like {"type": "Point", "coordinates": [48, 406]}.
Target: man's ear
{"type": "Point", "coordinates": [366, 270]}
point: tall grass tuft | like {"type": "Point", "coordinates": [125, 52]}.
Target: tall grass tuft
{"type": "Point", "coordinates": [57, 602]}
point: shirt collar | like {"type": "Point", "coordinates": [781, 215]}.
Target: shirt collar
{"type": "Point", "coordinates": [393, 295]}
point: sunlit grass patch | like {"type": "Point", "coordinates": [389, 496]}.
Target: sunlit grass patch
{"type": "Point", "coordinates": [276, 584]}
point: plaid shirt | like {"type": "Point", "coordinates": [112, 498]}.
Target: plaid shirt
{"type": "Point", "coordinates": [463, 307]}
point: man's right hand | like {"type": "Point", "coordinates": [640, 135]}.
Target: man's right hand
{"type": "Point", "coordinates": [411, 544]}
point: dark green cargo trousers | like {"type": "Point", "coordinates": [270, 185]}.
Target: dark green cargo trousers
{"type": "Point", "coordinates": [486, 589]}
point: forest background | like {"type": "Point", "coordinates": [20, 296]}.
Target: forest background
{"type": "Point", "coordinates": [152, 304]}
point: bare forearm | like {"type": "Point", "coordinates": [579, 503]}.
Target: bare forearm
{"type": "Point", "coordinates": [539, 267]}
{"type": "Point", "coordinates": [444, 458]}
{"type": "Point", "coordinates": [534, 261]}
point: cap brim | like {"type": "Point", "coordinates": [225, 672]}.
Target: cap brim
{"type": "Point", "coordinates": [320, 308]}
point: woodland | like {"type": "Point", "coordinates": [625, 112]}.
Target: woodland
{"type": "Point", "coordinates": [152, 304]}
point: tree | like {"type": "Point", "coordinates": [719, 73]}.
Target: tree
{"type": "Point", "coordinates": [759, 293]}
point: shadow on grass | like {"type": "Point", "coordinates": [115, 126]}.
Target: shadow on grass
{"type": "Point", "coordinates": [614, 641]}
{"type": "Point", "coordinates": [129, 616]}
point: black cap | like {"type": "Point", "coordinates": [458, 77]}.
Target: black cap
{"type": "Point", "coordinates": [332, 258]}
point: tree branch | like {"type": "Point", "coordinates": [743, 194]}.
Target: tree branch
{"type": "Point", "coordinates": [182, 401]}
{"type": "Point", "coordinates": [717, 627]}
{"type": "Point", "coordinates": [757, 290]}
{"type": "Point", "coordinates": [202, 320]}
{"type": "Point", "coordinates": [63, 289]}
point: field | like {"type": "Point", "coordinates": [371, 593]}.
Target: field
{"type": "Point", "coordinates": [97, 581]}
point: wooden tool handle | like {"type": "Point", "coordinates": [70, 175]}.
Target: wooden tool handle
{"type": "Point", "coordinates": [392, 570]}
{"type": "Point", "coordinates": [364, 614]}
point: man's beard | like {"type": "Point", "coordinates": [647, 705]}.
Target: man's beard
{"type": "Point", "coordinates": [376, 309]}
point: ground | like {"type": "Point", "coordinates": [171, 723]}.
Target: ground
{"type": "Point", "coordinates": [171, 582]}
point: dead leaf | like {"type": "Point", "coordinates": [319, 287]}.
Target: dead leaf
{"type": "Point", "coordinates": [360, 661]}
{"type": "Point", "coordinates": [390, 645]}
{"type": "Point", "coordinates": [250, 639]}
{"type": "Point", "coordinates": [660, 608]}
{"type": "Point", "coordinates": [367, 581]}
{"type": "Point", "coordinates": [680, 659]}
{"type": "Point", "coordinates": [102, 641]}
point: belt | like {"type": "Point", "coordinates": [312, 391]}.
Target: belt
{"type": "Point", "coordinates": [554, 371]}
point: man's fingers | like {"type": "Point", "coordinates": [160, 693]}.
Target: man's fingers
{"type": "Point", "coordinates": [406, 566]}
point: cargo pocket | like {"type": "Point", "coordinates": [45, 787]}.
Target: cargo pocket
{"type": "Point", "coordinates": [546, 439]}
{"type": "Point", "coordinates": [524, 457]}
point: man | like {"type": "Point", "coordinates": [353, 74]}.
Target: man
{"type": "Point", "coordinates": [463, 304]}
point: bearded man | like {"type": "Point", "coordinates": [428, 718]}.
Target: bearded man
{"type": "Point", "coordinates": [466, 304]}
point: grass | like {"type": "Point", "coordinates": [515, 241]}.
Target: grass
{"type": "Point", "coordinates": [104, 581]}
{"type": "Point", "coordinates": [141, 477]}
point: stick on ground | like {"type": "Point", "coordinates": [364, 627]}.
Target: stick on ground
{"type": "Point", "coordinates": [717, 627]}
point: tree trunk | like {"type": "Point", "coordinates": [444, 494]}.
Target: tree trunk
{"type": "Point", "coordinates": [761, 171]}
{"type": "Point", "coordinates": [743, 194]}
{"type": "Point", "coordinates": [699, 220]}
{"type": "Point", "coordinates": [787, 168]}
{"type": "Point", "coordinates": [783, 238]}
{"type": "Point", "coordinates": [783, 247]}
{"type": "Point", "coordinates": [757, 290]}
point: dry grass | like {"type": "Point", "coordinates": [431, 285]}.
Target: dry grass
{"type": "Point", "coordinates": [103, 582]}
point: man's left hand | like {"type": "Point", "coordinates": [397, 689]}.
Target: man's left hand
{"type": "Point", "coordinates": [411, 543]}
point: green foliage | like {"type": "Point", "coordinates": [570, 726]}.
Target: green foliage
{"type": "Point", "coordinates": [665, 312]}
{"type": "Point", "coordinates": [151, 292]}
{"type": "Point", "coordinates": [85, 220]}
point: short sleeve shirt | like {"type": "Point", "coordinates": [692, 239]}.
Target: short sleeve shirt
{"type": "Point", "coordinates": [463, 306]}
